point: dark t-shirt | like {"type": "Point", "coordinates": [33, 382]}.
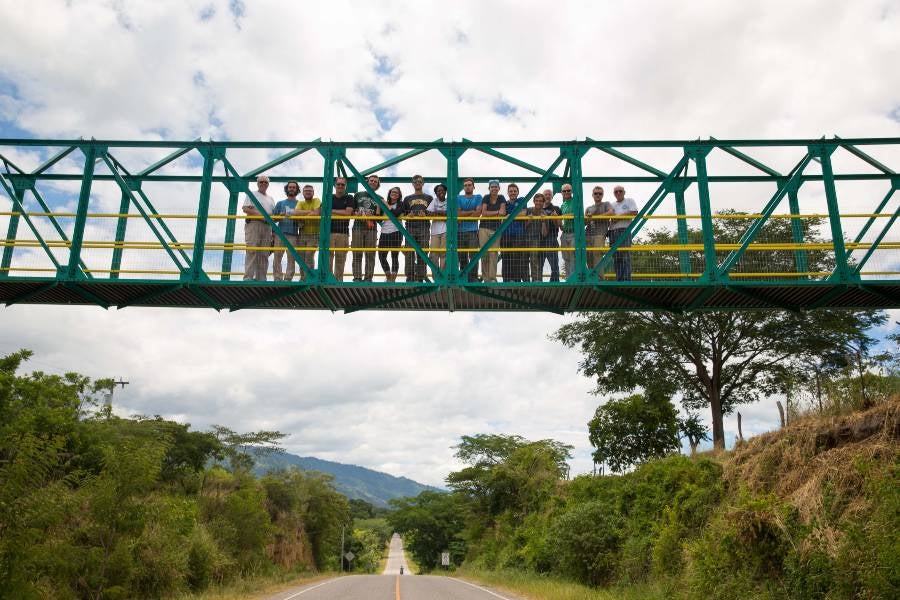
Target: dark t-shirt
{"type": "Point", "coordinates": [365, 205]}
{"type": "Point", "coordinates": [341, 203]}
{"type": "Point", "coordinates": [552, 224]}
{"type": "Point", "coordinates": [415, 205]}
{"type": "Point", "coordinates": [493, 223]}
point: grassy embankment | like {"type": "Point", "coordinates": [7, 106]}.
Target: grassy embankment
{"type": "Point", "coordinates": [810, 511]}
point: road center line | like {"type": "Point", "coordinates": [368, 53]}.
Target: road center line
{"type": "Point", "coordinates": [397, 588]}
{"type": "Point", "coordinates": [309, 589]}
{"type": "Point", "coordinates": [478, 587]}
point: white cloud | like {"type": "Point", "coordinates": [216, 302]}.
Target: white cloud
{"type": "Point", "coordinates": [387, 390]}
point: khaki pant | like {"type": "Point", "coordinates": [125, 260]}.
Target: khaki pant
{"type": "Point", "coordinates": [279, 254]}
{"type": "Point", "coordinates": [308, 240]}
{"type": "Point", "coordinates": [439, 258]}
{"type": "Point", "coordinates": [337, 259]}
{"type": "Point", "coordinates": [363, 237]}
{"type": "Point", "coordinates": [256, 264]}
{"type": "Point", "coordinates": [567, 240]}
{"type": "Point", "coordinates": [489, 259]}
{"type": "Point", "coordinates": [594, 256]}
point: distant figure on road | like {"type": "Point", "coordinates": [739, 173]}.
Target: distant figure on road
{"type": "Point", "coordinates": [625, 207]}
{"type": "Point", "coordinates": [257, 233]}
{"type": "Point", "coordinates": [401, 569]}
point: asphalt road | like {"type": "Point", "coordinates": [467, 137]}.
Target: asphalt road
{"type": "Point", "coordinates": [396, 558]}
{"type": "Point", "coordinates": [391, 585]}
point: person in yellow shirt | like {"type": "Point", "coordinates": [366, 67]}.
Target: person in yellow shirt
{"type": "Point", "coordinates": [308, 206]}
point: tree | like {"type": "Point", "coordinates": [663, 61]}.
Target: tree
{"type": "Point", "coordinates": [431, 523]}
{"type": "Point", "coordinates": [508, 472]}
{"type": "Point", "coordinates": [240, 448]}
{"type": "Point", "coordinates": [631, 430]}
{"type": "Point", "coordinates": [693, 429]}
{"type": "Point", "coordinates": [715, 359]}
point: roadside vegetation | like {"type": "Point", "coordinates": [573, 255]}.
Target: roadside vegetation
{"type": "Point", "coordinates": [97, 506]}
{"type": "Point", "coordinates": [809, 511]}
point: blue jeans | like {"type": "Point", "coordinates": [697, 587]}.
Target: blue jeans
{"type": "Point", "coordinates": [622, 259]}
{"type": "Point", "coordinates": [552, 257]}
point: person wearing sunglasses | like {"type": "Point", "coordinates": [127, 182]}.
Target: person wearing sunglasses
{"type": "Point", "coordinates": [618, 228]}
{"type": "Point", "coordinates": [342, 205]}
{"type": "Point", "coordinates": [595, 230]}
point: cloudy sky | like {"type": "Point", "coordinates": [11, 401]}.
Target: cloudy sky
{"type": "Point", "coordinates": [395, 391]}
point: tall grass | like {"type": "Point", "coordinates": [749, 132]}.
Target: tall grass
{"type": "Point", "coordinates": [543, 587]}
{"type": "Point", "coordinates": [255, 588]}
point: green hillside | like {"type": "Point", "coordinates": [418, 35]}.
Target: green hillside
{"type": "Point", "coordinates": [353, 481]}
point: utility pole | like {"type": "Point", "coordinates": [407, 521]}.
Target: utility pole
{"type": "Point", "coordinates": [109, 396]}
{"type": "Point", "coordinates": [342, 548]}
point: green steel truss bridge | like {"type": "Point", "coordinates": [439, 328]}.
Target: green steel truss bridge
{"type": "Point", "coordinates": [722, 224]}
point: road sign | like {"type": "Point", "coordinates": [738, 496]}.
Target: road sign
{"type": "Point", "coordinates": [445, 559]}
{"type": "Point", "coordinates": [349, 556]}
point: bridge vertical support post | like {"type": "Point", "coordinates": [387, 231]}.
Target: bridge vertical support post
{"type": "Point", "coordinates": [330, 156]}
{"type": "Point", "coordinates": [841, 269]}
{"type": "Point", "coordinates": [230, 226]}
{"type": "Point", "coordinates": [18, 205]}
{"type": "Point", "coordinates": [72, 270]}
{"type": "Point", "coordinates": [121, 227]}
{"type": "Point", "coordinates": [451, 258]}
{"type": "Point", "coordinates": [573, 155]}
{"type": "Point", "coordinates": [684, 258]}
{"type": "Point", "coordinates": [698, 154]}
{"type": "Point", "coordinates": [800, 256]}
{"type": "Point", "coordinates": [210, 155]}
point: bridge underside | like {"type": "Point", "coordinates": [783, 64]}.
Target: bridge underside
{"type": "Point", "coordinates": [551, 297]}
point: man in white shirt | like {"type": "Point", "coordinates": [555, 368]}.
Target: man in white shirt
{"type": "Point", "coordinates": [258, 233]}
{"type": "Point", "coordinates": [625, 207]}
{"type": "Point", "coordinates": [438, 208]}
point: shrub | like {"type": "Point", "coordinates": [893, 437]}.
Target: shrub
{"type": "Point", "coordinates": [589, 540]}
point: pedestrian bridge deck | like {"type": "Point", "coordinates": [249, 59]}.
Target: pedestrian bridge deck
{"type": "Point", "coordinates": [737, 224]}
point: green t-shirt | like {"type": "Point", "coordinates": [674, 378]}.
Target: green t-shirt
{"type": "Point", "coordinates": [568, 208]}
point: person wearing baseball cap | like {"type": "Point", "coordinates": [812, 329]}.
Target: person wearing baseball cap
{"type": "Point", "coordinates": [493, 205]}
{"type": "Point", "coordinates": [416, 206]}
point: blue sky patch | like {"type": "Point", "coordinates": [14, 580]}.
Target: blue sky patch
{"type": "Point", "coordinates": [895, 114]}
{"type": "Point", "coordinates": [207, 13]}
{"type": "Point", "coordinates": [383, 65]}
{"type": "Point", "coordinates": [504, 108]}
{"type": "Point", "coordinates": [9, 129]}
{"type": "Point", "coordinates": [385, 116]}
{"type": "Point", "coordinates": [238, 9]}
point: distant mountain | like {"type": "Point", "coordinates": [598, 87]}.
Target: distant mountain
{"type": "Point", "coordinates": [352, 481]}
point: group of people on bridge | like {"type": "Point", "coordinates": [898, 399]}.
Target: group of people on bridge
{"type": "Point", "coordinates": [534, 238]}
